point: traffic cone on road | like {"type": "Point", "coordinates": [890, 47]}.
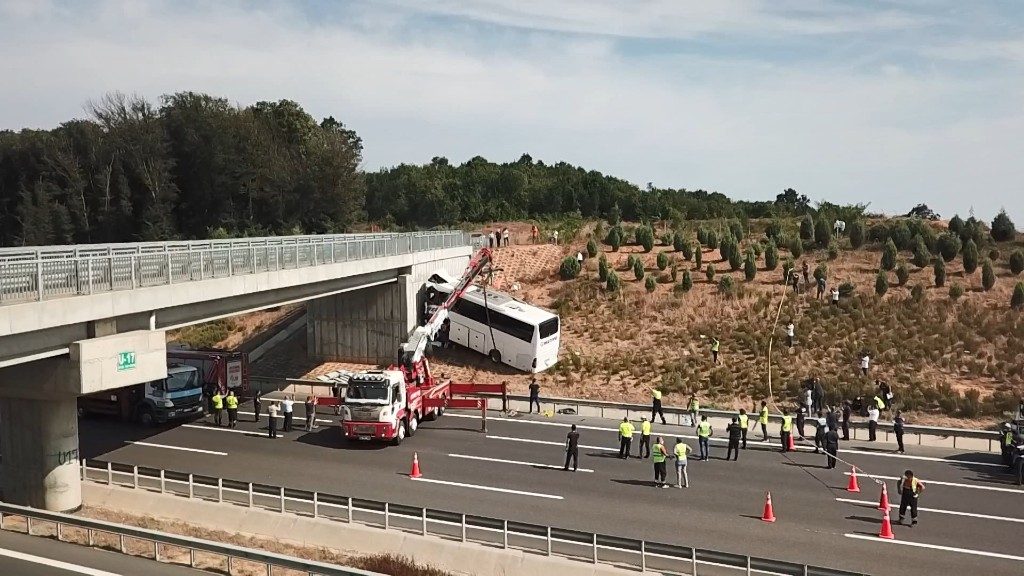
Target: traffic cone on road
{"type": "Point", "coordinates": [769, 514]}
{"type": "Point", "coordinates": [886, 531]}
{"type": "Point", "coordinates": [789, 443]}
{"type": "Point", "coordinates": [415, 466]}
{"type": "Point", "coordinates": [883, 503]}
{"type": "Point", "coordinates": [852, 486]}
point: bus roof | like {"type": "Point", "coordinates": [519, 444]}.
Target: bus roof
{"type": "Point", "coordinates": [508, 305]}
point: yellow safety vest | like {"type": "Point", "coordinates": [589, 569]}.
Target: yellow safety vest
{"type": "Point", "coordinates": [912, 487]}
{"type": "Point", "coordinates": [218, 402]}
{"type": "Point", "coordinates": [695, 404]}
{"type": "Point", "coordinates": [645, 428]}
{"type": "Point", "coordinates": [714, 346]}
{"type": "Point", "coordinates": [626, 430]}
{"type": "Point", "coordinates": [1009, 438]}
{"type": "Point", "coordinates": [743, 421]}
{"type": "Point", "coordinates": [787, 423]}
{"type": "Point", "coordinates": [704, 429]}
{"type": "Point", "coordinates": [659, 454]}
{"type": "Point", "coordinates": [879, 402]}
{"type": "Point", "coordinates": [681, 450]}
{"type": "Point", "coordinates": [764, 415]}
{"type": "Point", "coordinates": [656, 394]}
{"type": "Point", "coordinates": [232, 402]}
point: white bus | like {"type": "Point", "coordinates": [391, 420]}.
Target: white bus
{"type": "Point", "coordinates": [525, 337]}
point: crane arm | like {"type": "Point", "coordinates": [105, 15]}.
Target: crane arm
{"type": "Point", "coordinates": [412, 351]}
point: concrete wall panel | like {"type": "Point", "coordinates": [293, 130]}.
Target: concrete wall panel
{"type": "Point", "coordinates": [365, 326]}
{"type": "Point", "coordinates": [97, 359]}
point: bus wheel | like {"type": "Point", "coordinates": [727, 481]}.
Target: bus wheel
{"type": "Point", "coordinates": [495, 356]}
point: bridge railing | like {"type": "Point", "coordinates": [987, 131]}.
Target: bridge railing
{"type": "Point", "coordinates": [505, 534]}
{"type": "Point", "coordinates": [59, 271]}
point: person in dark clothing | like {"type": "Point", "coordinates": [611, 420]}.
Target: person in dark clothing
{"type": "Point", "coordinates": [534, 395]}
{"type": "Point", "coordinates": [831, 448]}
{"type": "Point", "coordinates": [735, 435]}
{"type": "Point", "coordinates": [820, 428]}
{"type": "Point", "coordinates": [257, 405]}
{"type": "Point", "coordinates": [807, 272]}
{"type": "Point", "coordinates": [656, 406]}
{"type": "Point", "coordinates": [897, 427]}
{"type": "Point", "coordinates": [795, 281]}
{"type": "Point", "coordinates": [847, 411]}
{"type": "Point", "coordinates": [818, 396]}
{"type": "Point", "coordinates": [885, 393]}
{"type": "Point", "coordinates": [831, 422]}
{"type": "Point", "coordinates": [572, 448]}
{"type": "Point", "coordinates": [800, 422]}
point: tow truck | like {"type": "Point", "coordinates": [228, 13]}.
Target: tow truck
{"type": "Point", "coordinates": [388, 405]}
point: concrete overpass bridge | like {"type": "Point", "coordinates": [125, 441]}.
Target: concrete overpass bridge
{"type": "Point", "coordinates": [68, 314]}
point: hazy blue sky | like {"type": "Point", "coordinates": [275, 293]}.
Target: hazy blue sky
{"type": "Point", "coordinates": [887, 102]}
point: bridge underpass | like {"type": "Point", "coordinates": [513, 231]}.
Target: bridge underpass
{"type": "Point", "coordinates": [70, 317]}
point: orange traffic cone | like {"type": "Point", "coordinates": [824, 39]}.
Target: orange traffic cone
{"type": "Point", "coordinates": [415, 466]}
{"type": "Point", "coordinates": [769, 514]}
{"type": "Point", "coordinates": [883, 503]}
{"type": "Point", "coordinates": [852, 486]}
{"type": "Point", "coordinates": [789, 443]}
{"type": "Point", "coordinates": [886, 531]}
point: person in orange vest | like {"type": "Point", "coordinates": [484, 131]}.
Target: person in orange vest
{"type": "Point", "coordinates": [910, 488]}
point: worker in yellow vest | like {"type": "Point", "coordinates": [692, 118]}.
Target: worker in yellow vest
{"type": "Point", "coordinates": [744, 424]}
{"type": "Point", "coordinates": [694, 407]}
{"type": "Point", "coordinates": [704, 432]}
{"type": "Point", "coordinates": [625, 438]}
{"type": "Point", "coordinates": [232, 402]}
{"type": "Point", "coordinates": [787, 430]}
{"type": "Point", "coordinates": [763, 420]}
{"type": "Point", "coordinates": [714, 349]}
{"type": "Point", "coordinates": [645, 439]}
{"type": "Point", "coordinates": [218, 408]}
{"type": "Point", "coordinates": [658, 457]}
{"type": "Point", "coordinates": [656, 405]}
{"type": "Point", "coordinates": [680, 451]}
{"type": "Point", "coordinates": [910, 488]}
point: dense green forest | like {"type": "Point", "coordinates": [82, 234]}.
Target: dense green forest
{"type": "Point", "coordinates": [196, 166]}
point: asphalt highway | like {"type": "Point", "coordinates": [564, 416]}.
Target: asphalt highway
{"type": "Point", "coordinates": [23, 555]}
{"type": "Point", "coordinates": [971, 513]}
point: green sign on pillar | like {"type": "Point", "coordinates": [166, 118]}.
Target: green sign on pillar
{"type": "Point", "coordinates": [125, 361]}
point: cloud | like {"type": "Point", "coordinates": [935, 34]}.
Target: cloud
{"type": "Point", "coordinates": [865, 104]}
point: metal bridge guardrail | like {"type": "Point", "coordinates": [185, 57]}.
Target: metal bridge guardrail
{"type": "Point", "coordinates": [34, 516]}
{"type": "Point", "coordinates": [58, 271]}
{"type": "Point", "coordinates": [675, 415]}
{"type": "Point", "coordinates": [507, 534]}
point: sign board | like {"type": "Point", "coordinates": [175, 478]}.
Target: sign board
{"type": "Point", "coordinates": [125, 361]}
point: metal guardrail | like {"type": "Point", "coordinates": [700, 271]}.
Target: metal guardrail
{"type": "Point", "coordinates": [674, 414]}
{"type": "Point", "coordinates": [58, 271]}
{"type": "Point", "coordinates": [158, 539]}
{"type": "Point", "coordinates": [508, 534]}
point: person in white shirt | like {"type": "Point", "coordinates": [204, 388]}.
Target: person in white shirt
{"type": "Point", "coordinates": [835, 296]}
{"type": "Point", "coordinates": [288, 406]}
{"type": "Point", "coordinates": [872, 422]}
{"type": "Point", "coordinates": [579, 258]}
{"type": "Point", "coordinates": [504, 237]}
{"type": "Point", "coordinates": [272, 426]}
{"type": "Point", "coordinates": [554, 237]}
{"type": "Point", "coordinates": [789, 333]}
{"type": "Point", "coordinates": [865, 363]}
{"type": "Point", "coordinates": [809, 400]}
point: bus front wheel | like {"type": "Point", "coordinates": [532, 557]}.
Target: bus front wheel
{"type": "Point", "coordinates": [495, 356]}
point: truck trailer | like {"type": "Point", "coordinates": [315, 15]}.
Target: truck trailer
{"type": "Point", "coordinates": [219, 370]}
{"type": "Point", "coordinates": [177, 397]}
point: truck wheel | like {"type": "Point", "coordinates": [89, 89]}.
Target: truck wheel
{"type": "Point", "coordinates": [402, 427]}
{"type": "Point", "coordinates": [145, 416]}
{"type": "Point", "coordinates": [495, 356]}
{"type": "Point", "coordinates": [413, 425]}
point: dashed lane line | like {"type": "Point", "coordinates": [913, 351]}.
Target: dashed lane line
{"type": "Point", "coordinates": [500, 461]}
{"type": "Point", "coordinates": [182, 448]}
{"type": "Point", "coordinates": [488, 488]}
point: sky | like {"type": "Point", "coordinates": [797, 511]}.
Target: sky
{"type": "Point", "coordinates": [885, 102]}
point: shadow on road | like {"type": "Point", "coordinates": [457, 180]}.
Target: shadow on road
{"type": "Point", "coordinates": [331, 437]}
{"type": "Point", "coordinates": [99, 435]}
{"type": "Point", "coordinates": [646, 483]}
{"type": "Point", "coordinates": [601, 455]}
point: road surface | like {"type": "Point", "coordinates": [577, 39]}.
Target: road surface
{"type": "Point", "coordinates": [23, 555]}
{"type": "Point", "coordinates": [971, 518]}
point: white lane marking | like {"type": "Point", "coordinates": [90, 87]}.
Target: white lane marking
{"type": "Point", "coordinates": [548, 442]}
{"type": "Point", "coordinates": [489, 488]}
{"type": "Point", "coordinates": [752, 443]}
{"type": "Point", "coordinates": [151, 445]}
{"type": "Point", "coordinates": [935, 510]}
{"type": "Point", "coordinates": [936, 482]}
{"type": "Point", "coordinates": [936, 547]}
{"type": "Point", "coordinates": [499, 461]}
{"type": "Point", "coordinates": [293, 418]}
{"type": "Point", "coordinates": [55, 563]}
{"type": "Point", "coordinates": [215, 429]}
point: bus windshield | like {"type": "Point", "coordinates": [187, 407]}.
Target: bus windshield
{"type": "Point", "coordinates": [187, 380]}
{"type": "Point", "coordinates": [367, 390]}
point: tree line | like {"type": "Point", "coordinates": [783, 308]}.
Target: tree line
{"type": "Point", "coordinates": [196, 166]}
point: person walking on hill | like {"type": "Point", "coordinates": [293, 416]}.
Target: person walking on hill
{"type": "Point", "coordinates": [659, 456]}
{"type": "Point", "coordinates": [795, 281]}
{"type": "Point", "coordinates": [806, 272]}
{"type": "Point", "coordinates": [232, 403]}
{"type": "Point", "coordinates": [762, 419]}
{"type": "Point", "coordinates": [790, 329]}
{"type": "Point", "coordinates": [910, 488]}
{"type": "Point", "coordinates": [625, 438]}
{"type": "Point", "coordinates": [656, 405]}
{"type": "Point", "coordinates": [680, 451]}
{"type": "Point", "coordinates": [897, 427]}
{"type": "Point", "coordinates": [534, 395]}
{"type": "Point", "coordinates": [704, 433]}
{"type": "Point", "coordinates": [572, 448]}
{"type": "Point", "coordinates": [533, 233]}
{"type": "Point", "coordinates": [735, 434]}
{"type": "Point", "coordinates": [715, 344]}
{"type": "Point", "coordinates": [694, 407]}
{"type": "Point", "coordinates": [821, 288]}
{"type": "Point", "coordinates": [644, 449]}
{"type": "Point", "coordinates": [865, 364]}
{"type": "Point", "coordinates": [744, 425]}
{"type": "Point", "coordinates": [786, 430]}
{"type": "Point", "coordinates": [835, 296]}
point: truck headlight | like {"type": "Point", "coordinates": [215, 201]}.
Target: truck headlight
{"type": "Point", "coordinates": [346, 414]}
{"type": "Point", "coordinates": [385, 414]}
{"type": "Point", "coordinates": [167, 404]}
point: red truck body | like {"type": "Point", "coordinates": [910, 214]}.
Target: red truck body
{"type": "Point", "coordinates": [221, 368]}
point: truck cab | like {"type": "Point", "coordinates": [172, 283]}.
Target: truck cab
{"type": "Point", "coordinates": [376, 407]}
{"type": "Point", "coordinates": [179, 396]}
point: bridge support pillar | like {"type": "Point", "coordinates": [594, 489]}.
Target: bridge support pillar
{"type": "Point", "coordinates": [39, 443]}
{"type": "Point", "coordinates": [365, 326]}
